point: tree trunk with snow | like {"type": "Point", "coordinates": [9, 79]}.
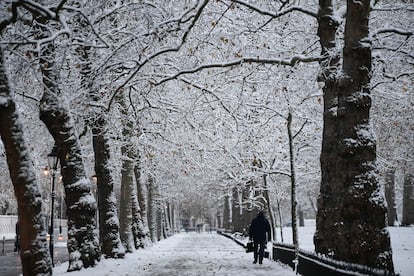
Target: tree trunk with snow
{"type": "Point", "coordinates": [167, 220]}
{"type": "Point", "coordinates": [237, 211]}
{"type": "Point", "coordinates": [34, 255]}
{"type": "Point", "coordinates": [137, 226]}
{"type": "Point", "coordinates": [171, 218]}
{"type": "Point", "coordinates": [125, 213]}
{"type": "Point", "coordinates": [161, 230]}
{"type": "Point", "coordinates": [390, 198]}
{"type": "Point", "coordinates": [293, 186]}
{"type": "Point", "coordinates": [327, 216]}
{"type": "Point", "coordinates": [226, 213]}
{"type": "Point", "coordinates": [127, 179]}
{"type": "Point", "coordinates": [83, 244]}
{"type": "Point", "coordinates": [408, 200]}
{"type": "Point", "coordinates": [359, 233]}
{"type": "Point", "coordinates": [152, 209]}
{"type": "Point", "coordinates": [142, 195]}
{"type": "Point", "coordinates": [110, 241]}
{"type": "Point", "coordinates": [108, 215]}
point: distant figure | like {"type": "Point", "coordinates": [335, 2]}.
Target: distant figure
{"type": "Point", "coordinates": [199, 227]}
{"type": "Point", "coordinates": [257, 232]}
{"type": "Point", "coordinates": [17, 240]}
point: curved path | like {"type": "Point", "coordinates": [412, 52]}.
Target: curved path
{"type": "Point", "coordinates": [186, 254]}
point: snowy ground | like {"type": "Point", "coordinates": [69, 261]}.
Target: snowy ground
{"type": "Point", "coordinates": [402, 242]}
{"type": "Point", "coordinates": [185, 254]}
{"type": "Point", "coordinates": [211, 254]}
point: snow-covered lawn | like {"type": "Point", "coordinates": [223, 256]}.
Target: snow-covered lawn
{"type": "Point", "coordinates": [185, 254]}
{"type": "Point", "coordinates": [402, 242]}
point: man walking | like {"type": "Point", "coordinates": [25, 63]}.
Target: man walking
{"type": "Point", "coordinates": [257, 232]}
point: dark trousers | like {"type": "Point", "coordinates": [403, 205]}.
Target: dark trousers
{"type": "Point", "coordinates": [258, 250]}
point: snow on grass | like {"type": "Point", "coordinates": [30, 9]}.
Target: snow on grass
{"type": "Point", "coordinates": [402, 243]}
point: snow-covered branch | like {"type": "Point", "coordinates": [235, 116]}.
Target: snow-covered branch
{"type": "Point", "coordinates": [287, 62]}
{"type": "Point", "coordinates": [280, 13]}
{"type": "Point", "coordinates": [161, 52]}
{"type": "Point", "coordinates": [393, 30]}
{"type": "Point", "coordinates": [34, 8]}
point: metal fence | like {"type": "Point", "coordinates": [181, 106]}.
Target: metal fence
{"type": "Point", "coordinates": [7, 224]}
{"type": "Point", "coordinates": [312, 264]}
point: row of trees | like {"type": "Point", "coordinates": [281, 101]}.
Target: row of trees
{"type": "Point", "coordinates": [170, 100]}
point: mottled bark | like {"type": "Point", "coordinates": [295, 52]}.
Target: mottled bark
{"type": "Point", "coordinates": [127, 182]}
{"type": "Point", "coordinates": [142, 195]}
{"type": "Point", "coordinates": [293, 186]}
{"type": "Point", "coordinates": [125, 213]}
{"type": "Point", "coordinates": [161, 229]}
{"type": "Point", "coordinates": [171, 219]}
{"type": "Point", "coordinates": [226, 213]}
{"type": "Point", "coordinates": [359, 233]}
{"type": "Point", "coordinates": [109, 236]}
{"type": "Point", "coordinates": [237, 211]}
{"type": "Point", "coordinates": [392, 218]}
{"type": "Point", "coordinates": [83, 244]}
{"type": "Point", "coordinates": [34, 255]}
{"type": "Point", "coordinates": [408, 200]}
{"type": "Point", "coordinates": [137, 226]}
{"type": "Point", "coordinates": [327, 214]}
{"type": "Point", "coordinates": [167, 220]}
{"type": "Point", "coordinates": [152, 209]}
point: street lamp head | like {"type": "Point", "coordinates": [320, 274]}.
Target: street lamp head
{"type": "Point", "coordinates": [46, 171]}
{"type": "Point", "coordinates": [53, 158]}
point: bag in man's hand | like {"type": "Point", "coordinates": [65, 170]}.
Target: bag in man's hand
{"type": "Point", "coordinates": [249, 247]}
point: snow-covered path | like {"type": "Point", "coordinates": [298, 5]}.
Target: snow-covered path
{"type": "Point", "coordinates": [185, 254]}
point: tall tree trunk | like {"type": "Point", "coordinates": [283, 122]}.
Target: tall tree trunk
{"type": "Point", "coordinates": [137, 226]}
{"type": "Point", "coordinates": [359, 234]}
{"type": "Point", "coordinates": [139, 232]}
{"type": "Point", "coordinates": [161, 230]}
{"type": "Point", "coordinates": [127, 179]}
{"type": "Point", "coordinates": [171, 219]}
{"type": "Point", "coordinates": [226, 213]}
{"type": "Point", "coordinates": [390, 198]}
{"type": "Point", "coordinates": [293, 187]}
{"type": "Point", "coordinates": [83, 244]}
{"type": "Point", "coordinates": [126, 205]}
{"type": "Point", "coordinates": [142, 195]}
{"type": "Point", "coordinates": [110, 241]}
{"type": "Point", "coordinates": [408, 200]}
{"type": "Point", "coordinates": [108, 215]}
{"type": "Point", "coordinates": [34, 255]}
{"type": "Point", "coordinates": [152, 209]}
{"type": "Point", "coordinates": [167, 219]}
{"type": "Point", "coordinates": [327, 216]}
{"type": "Point", "coordinates": [269, 208]}
{"type": "Point", "coordinates": [237, 211]}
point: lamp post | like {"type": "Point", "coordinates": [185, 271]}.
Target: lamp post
{"type": "Point", "coordinates": [53, 161]}
{"type": "Point", "coordinates": [61, 206]}
{"type": "Point", "coordinates": [45, 197]}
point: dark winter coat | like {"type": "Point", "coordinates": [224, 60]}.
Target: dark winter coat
{"type": "Point", "coordinates": [258, 229]}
